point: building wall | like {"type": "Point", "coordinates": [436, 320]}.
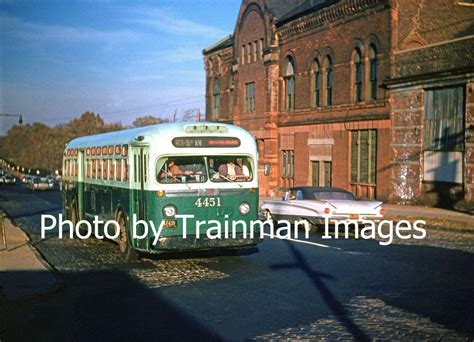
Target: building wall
{"type": "Point", "coordinates": [435, 51]}
{"type": "Point", "coordinates": [419, 45]}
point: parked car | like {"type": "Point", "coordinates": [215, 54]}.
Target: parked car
{"type": "Point", "coordinates": [26, 179]}
{"type": "Point", "coordinates": [40, 184]}
{"type": "Point", "coordinates": [9, 179]}
{"type": "Point", "coordinates": [315, 203]}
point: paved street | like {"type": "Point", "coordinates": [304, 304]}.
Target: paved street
{"type": "Point", "coordinates": [409, 290]}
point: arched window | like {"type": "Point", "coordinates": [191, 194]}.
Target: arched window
{"type": "Point", "coordinates": [317, 85]}
{"type": "Point", "coordinates": [329, 77]}
{"type": "Point", "coordinates": [357, 76]}
{"type": "Point", "coordinates": [216, 100]}
{"type": "Point", "coordinates": [372, 72]}
{"type": "Point", "coordinates": [290, 85]}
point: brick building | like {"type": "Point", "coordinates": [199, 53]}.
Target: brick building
{"type": "Point", "coordinates": [314, 81]}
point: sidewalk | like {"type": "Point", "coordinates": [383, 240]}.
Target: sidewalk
{"type": "Point", "coordinates": [23, 272]}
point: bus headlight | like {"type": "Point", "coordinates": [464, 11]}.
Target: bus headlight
{"type": "Point", "coordinates": [244, 208]}
{"type": "Point", "coordinates": [169, 210]}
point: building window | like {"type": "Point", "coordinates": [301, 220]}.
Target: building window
{"type": "Point", "coordinates": [444, 120]}
{"type": "Point", "coordinates": [255, 51]}
{"type": "Point", "coordinates": [287, 163]}
{"type": "Point", "coordinates": [329, 77]}
{"type": "Point", "coordinates": [260, 43]}
{"type": "Point", "coordinates": [289, 85]}
{"type": "Point", "coordinates": [357, 76]}
{"type": "Point", "coordinates": [249, 53]}
{"type": "Point", "coordinates": [443, 135]}
{"type": "Point", "coordinates": [243, 54]}
{"type": "Point", "coordinates": [317, 85]}
{"type": "Point", "coordinates": [372, 72]}
{"type": "Point", "coordinates": [216, 100]}
{"type": "Point", "coordinates": [250, 97]}
{"type": "Point", "coordinates": [363, 156]}
{"type": "Point", "coordinates": [231, 90]}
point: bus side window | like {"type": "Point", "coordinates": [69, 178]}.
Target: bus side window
{"type": "Point", "coordinates": [105, 173]}
{"type": "Point", "coordinates": [111, 169]}
{"type": "Point", "coordinates": [94, 168]}
{"type": "Point", "coordinates": [99, 168]}
{"type": "Point", "coordinates": [125, 170]}
{"type": "Point", "coordinates": [118, 175]}
{"type": "Point", "coordinates": [88, 165]}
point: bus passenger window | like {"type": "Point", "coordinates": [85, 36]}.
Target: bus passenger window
{"type": "Point", "coordinates": [99, 168]}
{"type": "Point", "coordinates": [94, 168]}
{"type": "Point", "coordinates": [118, 176]}
{"type": "Point", "coordinates": [105, 173]}
{"type": "Point", "coordinates": [125, 170]}
{"type": "Point", "coordinates": [111, 169]}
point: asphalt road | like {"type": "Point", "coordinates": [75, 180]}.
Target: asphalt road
{"type": "Point", "coordinates": [286, 289]}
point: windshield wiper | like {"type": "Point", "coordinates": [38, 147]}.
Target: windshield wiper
{"type": "Point", "coordinates": [230, 180]}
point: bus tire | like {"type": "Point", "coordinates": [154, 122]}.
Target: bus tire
{"type": "Point", "coordinates": [127, 251]}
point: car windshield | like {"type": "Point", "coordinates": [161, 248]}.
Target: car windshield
{"type": "Point", "coordinates": [332, 195]}
{"type": "Point", "coordinates": [198, 169]}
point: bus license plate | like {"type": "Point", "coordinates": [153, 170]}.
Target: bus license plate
{"type": "Point", "coordinates": [354, 216]}
{"type": "Point", "coordinates": [170, 224]}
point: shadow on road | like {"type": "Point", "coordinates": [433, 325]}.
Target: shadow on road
{"type": "Point", "coordinates": [317, 278]}
{"type": "Point", "coordinates": [103, 305]}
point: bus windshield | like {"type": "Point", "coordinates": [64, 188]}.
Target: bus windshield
{"type": "Point", "coordinates": [198, 169]}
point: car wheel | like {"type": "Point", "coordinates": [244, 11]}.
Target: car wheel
{"type": "Point", "coordinates": [269, 216]}
{"type": "Point", "coordinates": [127, 251]}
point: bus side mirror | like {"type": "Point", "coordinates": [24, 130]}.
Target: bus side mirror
{"type": "Point", "coordinates": [266, 170]}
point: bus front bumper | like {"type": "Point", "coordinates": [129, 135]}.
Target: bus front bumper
{"type": "Point", "coordinates": [177, 243]}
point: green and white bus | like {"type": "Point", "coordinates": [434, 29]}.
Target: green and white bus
{"type": "Point", "coordinates": [130, 174]}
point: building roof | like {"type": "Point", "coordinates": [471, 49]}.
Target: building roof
{"type": "Point", "coordinates": [221, 44]}
{"type": "Point", "coordinates": [280, 8]}
{"type": "Point", "coordinates": [283, 10]}
{"type": "Point", "coordinates": [305, 8]}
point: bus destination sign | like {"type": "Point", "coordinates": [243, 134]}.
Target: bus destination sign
{"type": "Point", "coordinates": [206, 142]}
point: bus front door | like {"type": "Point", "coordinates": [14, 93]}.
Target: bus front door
{"type": "Point", "coordinates": [80, 184]}
{"type": "Point", "coordinates": [138, 205]}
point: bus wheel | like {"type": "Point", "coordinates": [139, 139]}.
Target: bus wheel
{"type": "Point", "coordinates": [128, 253]}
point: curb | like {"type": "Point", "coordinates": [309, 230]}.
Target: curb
{"type": "Point", "coordinates": [58, 282]}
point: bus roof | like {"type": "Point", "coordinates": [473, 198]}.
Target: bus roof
{"type": "Point", "coordinates": [161, 133]}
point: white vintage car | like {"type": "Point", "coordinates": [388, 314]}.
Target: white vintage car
{"type": "Point", "coordinates": [314, 204]}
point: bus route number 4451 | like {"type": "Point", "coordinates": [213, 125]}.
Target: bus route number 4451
{"type": "Point", "coordinates": [208, 202]}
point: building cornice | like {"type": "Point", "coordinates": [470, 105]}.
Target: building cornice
{"type": "Point", "coordinates": [325, 15]}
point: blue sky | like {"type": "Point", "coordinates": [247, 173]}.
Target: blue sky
{"type": "Point", "coordinates": [121, 59]}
